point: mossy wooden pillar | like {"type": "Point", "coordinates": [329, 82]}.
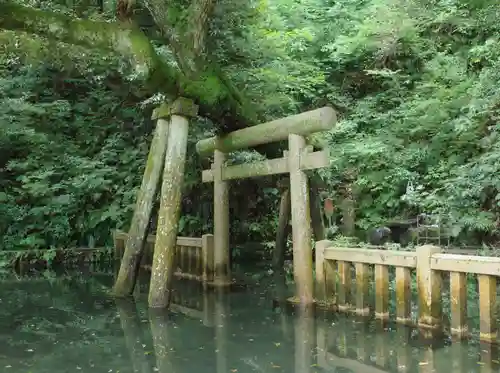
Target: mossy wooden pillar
{"type": "Point", "coordinates": [429, 284]}
{"type": "Point", "coordinates": [168, 218]}
{"type": "Point", "coordinates": [222, 254]}
{"type": "Point", "coordinates": [131, 259]}
{"type": "Point", "coordinates": [301, 221]}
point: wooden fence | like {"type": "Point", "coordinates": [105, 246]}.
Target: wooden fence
{"type": "Point", "coordinates": [194, 256]}
{"type": "Point", "coordinates": [334, 285]}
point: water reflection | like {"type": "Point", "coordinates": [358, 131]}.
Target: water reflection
{"type": "Point", "coordinates": [67, 327]}
{"type": "Point", "coordinates": [134, 338]}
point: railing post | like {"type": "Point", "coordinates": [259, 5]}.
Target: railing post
{"type": "Point", "coordinates": [381, 291]}
{"type": "Point", "coordinates": [458, 295]}
{"type": "Point", "coordinates": [320, 269]}
{"type": "Point", "coordinates": [207, 252]}
{"type": "Point", "coordinates": [362, 287]}
{"type": "Point", "coordinates": [429, 285]}
{"type": "Point", "coordinates": [403, 295]}
{"type": "Point", "coordinates": [487, 308]}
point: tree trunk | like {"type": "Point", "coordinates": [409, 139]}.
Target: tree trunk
{"type": "Point", "coordinates": [168, 220]}
{"type": "Point", "coordinates": [127, 275]}
{"type": "Point", "coordinates": [283, 230]}
{"type": "Point", "coordinates": [348, 213]}
{"type": "Point", "coordinates": [316, 220]}
{"type": "Point", "coordinates": [201, 13]}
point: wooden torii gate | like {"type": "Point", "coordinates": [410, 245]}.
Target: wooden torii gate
{"type": "Point", "coordinates": [299, 158]}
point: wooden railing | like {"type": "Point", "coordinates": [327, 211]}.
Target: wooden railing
{"type": "Point", "coordinates": [333, 282]}
{"type": "Point", "coordinates": [194, 257]}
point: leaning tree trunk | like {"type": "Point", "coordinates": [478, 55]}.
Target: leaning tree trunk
{"type": "Point", "coordinates": [129, 267]}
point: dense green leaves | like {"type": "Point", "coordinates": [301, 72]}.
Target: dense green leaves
{"type": "Point", "coordinates": [415, 83]}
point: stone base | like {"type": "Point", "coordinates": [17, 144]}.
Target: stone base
{"type": "Point", "coordinates": [327, 305]}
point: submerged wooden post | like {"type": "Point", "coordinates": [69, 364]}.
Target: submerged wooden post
{"type": "Point", "coordinates": [403, 295]}
{"type": "Point", "coordinates": [301, 221]}
{"type": "Point", "coordinates": [381, 291]}
{"type": "Point", "coordinates": [458, 298]}
{"type": "Point", "coordinates": [222, 253]}
{"type": "Point", "coordinates": [325, 275]}
{"type": "Point", "coordinates": [344, 286]}
{"type": "Point", "coordinates": [487, 308]}
{"type": "Point", "coordinates": [134, 247]}
{"type": "Point", "coordinates": [362, 286]}
{"type": "Point", "coordinates": [429, 284]}
{"type": "Point", "coordinates": [170, 202]}
{"type": "Point", "coordinates": [207, 252]}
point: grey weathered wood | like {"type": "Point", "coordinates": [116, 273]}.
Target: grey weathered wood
{"type": "Point", "coordinates": [308, 161]}
{"type": "Point", "coordinates": [385, 257]}
{"type": "Point", "coordinates": [129, 267]}
{"type": "Point", "coordinates": [305, 123]}
{"type": "Point", "coordinates": [222, 275]}
{"type": "Point", "coordinates": [168, 217]}
{"type": "Point", "coordinates": [481, 265]}
{"type": "Point", "coordinates": [301, 222]}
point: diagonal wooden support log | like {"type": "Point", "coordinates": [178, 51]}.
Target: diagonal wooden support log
{"type": "Point", "coordinates": [129, 267]}
{"type": "Point", "coordinates": [170, 202]}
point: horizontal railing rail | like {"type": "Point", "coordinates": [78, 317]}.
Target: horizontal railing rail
{"type": "Point", "coordinates": [334, 284]}
{"type": "Point", "coordinates": [194, 255]}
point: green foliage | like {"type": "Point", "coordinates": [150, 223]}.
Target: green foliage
{"type": "Point", "coordinates": [69, 164]}
{"type": "Point", "coordinates": [415, 84]}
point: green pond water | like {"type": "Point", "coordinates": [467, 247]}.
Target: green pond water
{"type": "Point", "coordinates": [67, 323]}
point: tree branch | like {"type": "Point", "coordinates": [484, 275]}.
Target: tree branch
{"type": "Point", "coordinates": [218, 99]}
{"type": "Point", "coordinates": [232, 109]}
{"type": "Point", "coordinates": [200, 11]}
{"type": "Point", "coordinates": [82, 32]}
